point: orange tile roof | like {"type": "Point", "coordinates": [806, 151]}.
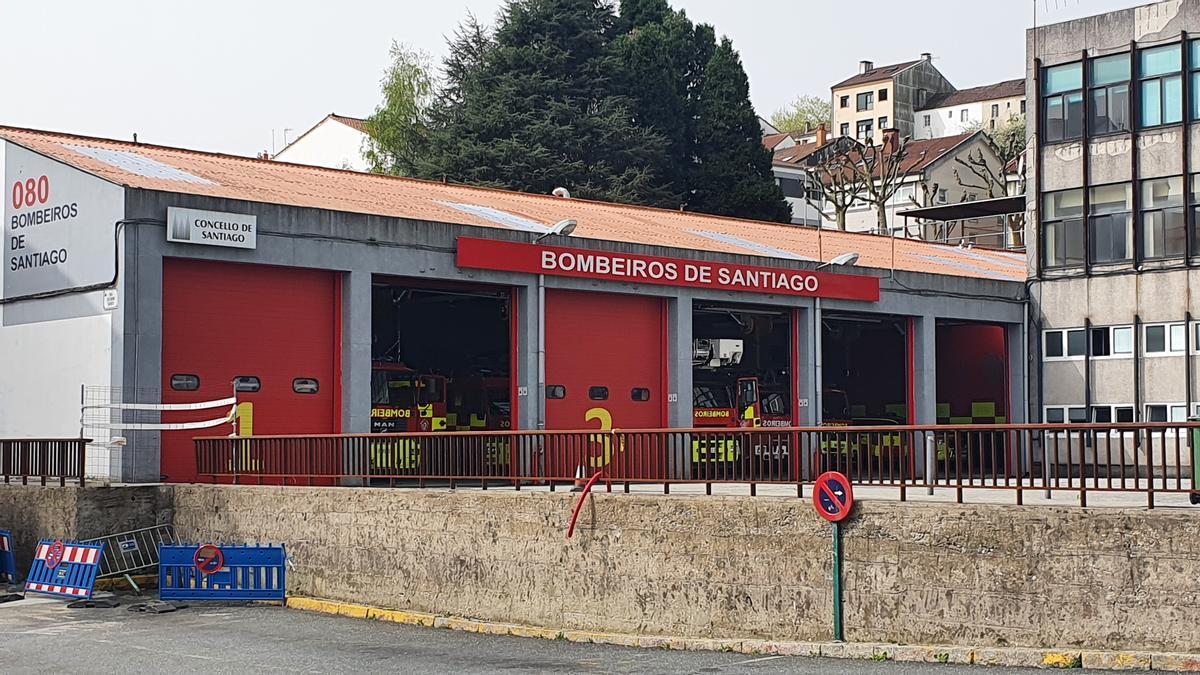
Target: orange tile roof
{"type": "Point", "coordinates": [153, 167]}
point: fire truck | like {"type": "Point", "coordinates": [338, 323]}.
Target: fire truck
{"type": "Point", "coordinates": [405, 400]}
{"type": "Point", "coordinates": [721, 399]}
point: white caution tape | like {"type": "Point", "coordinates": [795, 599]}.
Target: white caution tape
{"type": "Point", "coordinates": [177, 426]}
{"type": "Point", "coordinates": [202, 405]}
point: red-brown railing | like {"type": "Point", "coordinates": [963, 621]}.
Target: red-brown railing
{"type": "Point", "coordinates": [1081, 458]}
{"type": "Point", "coordinates": [45, 460]}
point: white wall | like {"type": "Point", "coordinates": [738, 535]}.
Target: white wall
{"type": "Point", "coordinates": [330, 144]}
{"type": "Point", "coordinates": [948, 121]}
{"type": "Point", "coordinates": [51, 347]}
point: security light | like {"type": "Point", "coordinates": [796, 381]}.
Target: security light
{"type": "Point", "coordinates": [562, 228]}
{"type": "Point", "coordinates": [845, 259]}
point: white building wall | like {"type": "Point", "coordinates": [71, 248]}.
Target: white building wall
{"type": "Point", "coordinates": [949, 121]}
{"type": "Point", "coordinates": [330, 144]}
{"type": "Point", "coordinates": [51, 347]}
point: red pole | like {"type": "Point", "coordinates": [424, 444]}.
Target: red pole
{"type": "Point", "coordinates": [579, 505]}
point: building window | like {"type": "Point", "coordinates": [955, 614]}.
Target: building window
{"type": "Point", "coordinates": [1107, 414]}
{"type": "Point", "coordinates": [1194, 69]}
{"type": "Point", "coordinates": [927, 120]}
{"type": "Point", "coordinates": [1109, 230]}
{"type": "Point", "coordinates": [1065, 414]}
{"type": "Point", "coordinates": [883, 94]}
{"type": "Point", "coordinates": [1022, 106]}
{"type": "Point", "coordinates": [941, 196]}
{"type": "Point", "coordinates": [844, 130]}
{"type": "Point", "coordinates": [1164, 228]}
{"type": "Point", "coordinates": [1112, 341]}
{"type": "Point", "coordinates": [1065, 344]}
{"type": "Point", "coordinates": [1166, 412]}
{"type": "Point", "coordinates": [1164, 338]}
{"type": "Point", "coordinates": [865, 101]}
{"type": "Point", "coordinates": [1062, 228]}
{"type": "Point", "coordinates": [950, 114]}
{"type": "Point", "coordinates": [1195, 225]}
{"type": "Point", "coordinates": [844, 102]}
{"type": "Point", "coordinates": [962, 116]}
{"type": "Point", "coordinates": [1062, 102]}
{"type": "Point", "coordinates": [1109, 89]}
{"type": "Point", "coordinates": [864, 130]}
{"type": "Point", "coordinates": [1161, 85]}
{"type": "Point", "coordinates": [995, 110]}
{"type": "Point", "coordinates": [883, 123]}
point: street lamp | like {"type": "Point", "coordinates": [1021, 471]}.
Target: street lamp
{"type": "Point", "coordinates": [562, 228]}
{"type": "Point", "coordinates": [846, 260]}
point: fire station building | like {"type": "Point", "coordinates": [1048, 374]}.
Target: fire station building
{"type": "Point", "coordinates": [330, 301]}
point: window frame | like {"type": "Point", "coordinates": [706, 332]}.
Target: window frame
{"type": "Point", "coordinates": [1062, 97]}
{"type": "Point", "coordinates": [1065, 409]}
{"type": "Point", "coordinates": [862, 104]}
{"type": "Point", "coordinates": [964, 115]}
{"type": "Point", "coordinates": [844, 129]}
{"type": "Point", "coordinates": [1082, 223]}
{"type": "Point", "coordinates": [1167, 339]}
{"type": "Point", "coordinates": [1106, 87]}
{"type": "Point", "coordinates": [1112, 354]}
{"type": "Point", "coordinates": [1144, 222]}
{"type": "Point", "coordinates": [870, 124]}
{"type": "Point", "coordinates": [1091, 233]}
{"type": "Point", "coordinates": [1065, 344]}
{"type": "Point", "coordinates": [882, 122]}
{"type": "Point", "coordinates": [882, 95]}
{"type": "Point", "coordinates": [1169, 408]}
{"type": "Point", "coordinates": [927, 120]}
{"type": "Point", "coordinates": [1112, 413]}
{"type": "Point", "coordinates": [1161, 79]}
{"type": "Point", "coordinates": [844, 101]}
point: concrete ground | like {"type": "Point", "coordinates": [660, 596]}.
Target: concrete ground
{"type": "Point", "coordinates": [40, 635]}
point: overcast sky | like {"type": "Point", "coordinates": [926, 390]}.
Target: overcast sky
{"type": "Point", "coordinates": [223, 74]}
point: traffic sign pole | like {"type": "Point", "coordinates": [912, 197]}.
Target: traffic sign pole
{"type": "Point", "coordinates": [837, 582]}
{"type": "Point", "coordinates": [833, 498]}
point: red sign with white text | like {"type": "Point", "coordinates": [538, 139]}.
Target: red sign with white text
{"type": "Point", "coordinates": [508, 256]}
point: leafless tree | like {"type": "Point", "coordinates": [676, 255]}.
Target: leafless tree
{"type": "Point", "coordinates": [975, 172]}
{"type": "Point", "coordinates": [883, 169]}
{"type": "Point", "coordinates": [832, 171]}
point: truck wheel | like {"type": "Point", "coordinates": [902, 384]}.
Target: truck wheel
{"type": "Point", "coordinates": [1194, 497]}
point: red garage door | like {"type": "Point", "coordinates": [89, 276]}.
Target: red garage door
{"type": "Point", "coordinates": [273, 327]}
{"type": "Point", "coordinates": [605, 369]}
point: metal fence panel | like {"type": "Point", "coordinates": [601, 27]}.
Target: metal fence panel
{"type": "Point", "coordinates": [241, 573]}
{"type": "Point", "coordinates": [8, 560]}
{"type": "Point", "coordinates": [133, 551]}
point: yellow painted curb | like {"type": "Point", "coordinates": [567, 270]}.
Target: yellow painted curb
{"type": "Point", "coordinates": [917, 653]}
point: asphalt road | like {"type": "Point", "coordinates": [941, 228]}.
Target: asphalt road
{"type": "Point", "coordinates": [42, 636]}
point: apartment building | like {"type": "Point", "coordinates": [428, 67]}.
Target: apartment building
{"type": "Point", "coordinates": [885, 97]}
{"type": "Point", "coordinates": [1113, 193]}
{"type": "Point", "coordinates": [965, 110]}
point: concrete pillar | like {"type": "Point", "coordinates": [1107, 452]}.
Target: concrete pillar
{"type": "Point", "coordinates": [808, 381]}
{"type": "Point", "coordinates": [679, 362]}
{"type": "Point", "coordinates": [1018, 386]}
{"type": "Point", "coordinates": [679, 382]}
{"type": "Point", "coordinates": [530, 394]}
{"type": "Point", "coordinates": [356, 352]}
{"type": "Point", "coordinates": [924, 385]}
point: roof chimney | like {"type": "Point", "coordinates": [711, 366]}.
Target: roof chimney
{"type": "Point", "coordinates": [891, 140]}
{"type": "Point", "coordinates": [926, 56]}
{"type": "Point", "coordinates": [822, 134]}
{"type": "Point", "coordinates": [864, 66]}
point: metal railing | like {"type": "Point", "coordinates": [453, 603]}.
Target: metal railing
{"type": "Point", "coordinates": [44, 460]}
{"type": "Point", "coordinates": [126, 553]}
{"type": "Point", "coordinates": [1146, 458]}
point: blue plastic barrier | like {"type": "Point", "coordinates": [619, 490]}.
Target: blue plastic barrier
{"type": "Point", "coordinates": [8, 561]}
{"type": "Point", "coordinates": [222, 573]}
{"type": "Point", "coordinates": [64, 569]}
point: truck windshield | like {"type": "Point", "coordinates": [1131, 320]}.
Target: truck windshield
{"type": "Point", "coordinates": [403, 389]}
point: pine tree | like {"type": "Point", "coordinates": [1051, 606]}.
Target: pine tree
{"type": "Point", "coordinates": [733, 173]}
{"type": "Point", "coordinates": [532, 108]}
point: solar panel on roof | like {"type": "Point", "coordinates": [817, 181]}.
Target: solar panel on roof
{"type": "Point", "coordinates": [501, 218]}
{"type": "Point", "coordinates": [761, 249]}
{"type": "Point", "coordinates": [138, 165]}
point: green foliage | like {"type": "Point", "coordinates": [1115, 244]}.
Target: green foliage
{"type": "Point", "coordinates": [1009, 138]}
{"type": "Point", "coordinates": [641, 108]}
{"type": "Point", "coordinates": [733, 173]}
{"type": "Point", "coordinates": [805, 112]}
{"type": "Point", "coordinates": [399, 128]}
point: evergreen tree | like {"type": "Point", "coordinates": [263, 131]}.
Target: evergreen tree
{"type": "Point", "coordinates": [733, 173]}
{"type": "Point", "coordinates": [532, 108]}
{"type": "Point", "coordinates": [637, 13]}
